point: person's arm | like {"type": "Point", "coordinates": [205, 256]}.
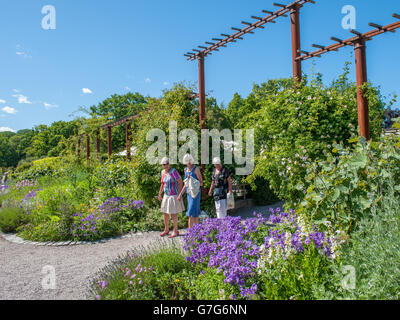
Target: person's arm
{"type": "Point", "coordinates": [230, 185]}
{"type": "Point", "coordinates": [199, 175]}
{"type": "Point", "coordinates": [160, 192]}
{"type": "Point", "coordinates": [211, 188]}
{"type": "Point", "coordinates": [182, 190]}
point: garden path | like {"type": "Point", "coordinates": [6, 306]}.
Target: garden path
{"type": "Point", "coordinates": [21, 266]}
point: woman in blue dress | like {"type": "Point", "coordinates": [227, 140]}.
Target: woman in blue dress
{"type": "Point", "coordinates": [193, 184]}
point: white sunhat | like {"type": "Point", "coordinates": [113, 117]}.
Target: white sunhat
{"type": "Point", "coordinates": [164, 160]}
{"type": "Point", "coordinates": [188, 159]}
{"type": "Point", "coordinates": [217, 160]}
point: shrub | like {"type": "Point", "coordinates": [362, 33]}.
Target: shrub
{"type": "Point", "coordinates": [296, 125]}
{"type": "Point", "coordinates": [52, 167]}
{"type": "Point", "coordinates": [343, 189]}
{"type": "Point", "coordinates": [50, 230]}
{"type": "Point", "coordinates": [11, 219]}
{"type": "Point", "coordinates": [374, 253]}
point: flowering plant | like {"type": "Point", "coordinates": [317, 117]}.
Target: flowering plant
{"type": "Point", "coordinates": [106, 220]}
{"type": "Point", "coordinates": [25, 183]}
{"type": "Point", "coordinates": [246, 251]}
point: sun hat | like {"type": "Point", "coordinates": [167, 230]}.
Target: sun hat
{"type": "Point", "coordinates": [164, 160]}
{"type": "Point", "coordinates": [217, 160]}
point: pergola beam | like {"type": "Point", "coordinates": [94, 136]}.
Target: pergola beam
{"type": "Point", "coordinates": [350, 42]}
{"type": "Point", "coordinates": [361, 65]}
{"type": "Point", "coordinates": [282, 12]}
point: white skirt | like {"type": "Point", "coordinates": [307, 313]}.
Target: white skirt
{"type": "Point", "coordinates": [171, 205]}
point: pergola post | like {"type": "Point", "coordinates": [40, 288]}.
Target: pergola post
{"type": "Point", "coordinates": [109, 141]}
{"type": "Point", "coordinates": [78, 151]}
{"type": "Point", "coordinates": [128, 144]}
{"type": "Point", "coordinates": [98, 144]}
{"type": "Point", "coordinates": [202, 93]}
{"type": "Point", "coordinates": [296, 46]}
{"type": "Point", "coordinates": [361, 74]}
{"type": "Point", "coordinates": [87, 147]}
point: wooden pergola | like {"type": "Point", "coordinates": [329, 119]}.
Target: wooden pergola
{"type": "Point", "coordinates": [298, 55]}
{"type": "Point", "coordinates": [126, 120]}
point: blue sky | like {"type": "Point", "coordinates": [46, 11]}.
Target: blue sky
{"type": "Point", "coordinates": [115, 46]}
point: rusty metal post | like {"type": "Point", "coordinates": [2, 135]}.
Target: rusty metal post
{"type": "Point", "coordinates": [98, 144]}
{"type": "Point", "coordinates": [109, 141]}
{"type": "Point", "coordinates": [361, 73]}
{"type": "Point", "coordinates": [296, 46]}
{"type": "Point", "coordinates": [87, 147]}
{"type": "Point", "coordinates": [78, 151]}
{"type": "Point", "coordinates": [128, 143]}
{"type": "Point", "coordinates": [202, 93]}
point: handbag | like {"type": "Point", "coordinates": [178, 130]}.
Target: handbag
{"type": "Point", "coordinates": [192, 186]}
{"type": "Point", "coordinates": [230, 202]}
{"type": "Point", "coordinates": [219, 192]}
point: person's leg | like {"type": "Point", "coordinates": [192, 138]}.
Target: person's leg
{"type": "Point", "coordinates": [175, 223]}
{"type": "Point", "coordinates": [224, 208]}
{"type": "Point", "coordinates": [191, 222]}
{"type": "Point", "coordinates": [166, 223]}
{"type": "Point", "coordinates": [218, 209]}
{"type": "Point", "coordinates": [195, 221]}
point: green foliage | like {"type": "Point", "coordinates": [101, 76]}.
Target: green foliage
{"type": "Point", "coordinates": [154, 220]}
{"type": "Point", "coordinates": [49, 140]}
{"type": "Point", "coordinates": [50, 230]}
{"type": "Point", "coordinates": [297, 125]}
{"type": "Point", "coordinates": [145, 275]}
{"type": "Point", "coordinates": [11, 219]}
{"type": "Point", "coordinates": [343, 189]}
{"type": "Point", "coordinates": [50, 167]}
{"type": "Point", "coordinates": [262, 193]}
{"type": "Point", "coordinates": [296, 277]}
{"type": "Point", "coordinates": [374, 254]}
{"type": "Point", "coordinates": [210, 285]}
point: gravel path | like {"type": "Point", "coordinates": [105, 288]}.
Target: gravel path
{"type": "Point", "coordinates": [21, 266]}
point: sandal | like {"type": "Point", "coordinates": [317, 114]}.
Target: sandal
{"type": "Point", "coordinates": [174, 235]}
{"type": "Point", "coordinates": [164, 234]}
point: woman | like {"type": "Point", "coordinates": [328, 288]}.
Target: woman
{"type": "Point", "coordinates": [171, 185]}
{"type": "Point", "coordinates": [193, 184]}
{"type": "Point", "coordinates": [222, 182]}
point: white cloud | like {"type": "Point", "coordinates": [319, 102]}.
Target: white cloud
{"type": "Point", "coordinates": [9, 110]}
{"type": "Point", "coordinates": [127, 88]}
{"type": "Point", "coordinates": [49, 105]}
{"type": "Point", "coordinates": [20, 52]}
{"type": "Point", "coordinates": [16, 90]}
{"type": "Point", "coordinates": [147, 80]}
{"type": "Point", "coordinates": [4, 129]}
{"type": "Point", "coordinates": [86, 91]}
{"type": "Point", "coordinates": [166, 83]}
{"type": "Point", "coordinates": [2, 101]}
{"type": "Point", "coordinates": [22, 99]}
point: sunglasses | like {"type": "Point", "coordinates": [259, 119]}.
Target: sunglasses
{"type": "Point", "coordinates": [165, 164]}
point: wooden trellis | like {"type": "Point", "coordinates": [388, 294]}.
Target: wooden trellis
{"type": "Point", "coordinates": [358, 41]}
{"type": "Point", "coordinates": [298, 55]}
{"type": "Point", "coordinates": [126, 120]}
{"type": "Point", "coordinates": [199, 54]}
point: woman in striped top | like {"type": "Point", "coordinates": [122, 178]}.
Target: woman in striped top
{"type": "Point", "coordinates": [171, 185]}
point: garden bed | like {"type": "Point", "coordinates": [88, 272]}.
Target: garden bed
{"type": "Point", "coordinates": [278, 258]}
